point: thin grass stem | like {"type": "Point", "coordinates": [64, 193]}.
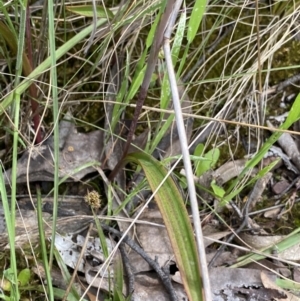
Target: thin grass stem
{"type": "Point", "coordinates": [50, 295]}
{"type": "Point", "coordinates": [53, 77]}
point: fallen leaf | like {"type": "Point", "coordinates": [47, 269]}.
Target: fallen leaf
{"type": "Point", "coordinates": [280, 186]}
{"type": "Point", "coordinates": [228, 284]}
{"type": "Point", "coordinates": [269, 283]}
{"type": "Point", "coordinates": [211, 234]}
{"type": "Point", "coordinates": [153, 238]}
{"type": "Point", "coordinates": [272, 213]}
{"type": "Point", "coordinates": [149, 288]}
{"type": "Point", "coordinates": [70, 250]}
{"type": "Point", "coordinates": [78, 150]}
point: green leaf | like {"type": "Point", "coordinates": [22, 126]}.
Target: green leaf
{"type": "Point", "coordinates": [135, 85]}
{"type": "Point", "coordinates": [141, 66]}
{"type": "Point", "coordinates": [165, 95]}
{"type": "Point", "coordinates": [176, 219]}
{"type": "Point", "coordinates": [196, 17]}
{"type": "Point", "coordinates": [58, 293]}
{"type": "Point", "coordinates": [66, 277]}
{"type": "Point", "coordinates": [208, 160]}
{"type": "Point", "coordinates": [219, 191]}
{"type": "Point", "coordinates": [9, 275]}
{"type": "Point", "coordinates": [288, 284]}
{"type": "Point", "coordinates": [24, 277]}
{"type": "Point", "coordinates": [178, 38]}
{"type": "Point", "coordinates": [199, 149]}
{"type": "Point", "coordinates": [87, 11]}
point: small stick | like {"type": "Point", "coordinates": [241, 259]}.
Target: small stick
{"type": "Point", "coordinates": [129, 272]}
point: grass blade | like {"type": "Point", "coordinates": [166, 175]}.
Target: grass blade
{"type": "Point", "coordinates": [43, 244]}
{"type": "Point", "coordinates": [177, 222]}
{"type": "Point", "coordinates": [10, 225]}
{"type": "Point", "coordinates": [196, 17]}
{"type": "Point", "coordinates": [87, 11]}
{"type": "Point", "coordinates": [54, 90]}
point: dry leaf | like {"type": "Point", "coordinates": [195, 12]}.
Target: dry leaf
{"type": "Point", "coordinates": [101, 276]}
{"type": "Point", "coordinates": [149, 288]}
{"type": "Point", "coordinates": [77, 149]}
{"type": "Point", "coordinates": [269, 283]}
{"type": "Point", "coordinates": [69, 248]}
{"type": "Point", "coordinates": [154, 239]}
{"type": "Point", "coordinates": [211, 234]}
{"type": "Point", "coordinates": [233, 284]}
{"type": "Point", "coordinates": [272, 213]}
{"type": "Point", "coordinates": [225, 258]}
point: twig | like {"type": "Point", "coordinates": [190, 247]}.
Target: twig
{"type": "Point", "coordinates": [289, 81]}
{"type": "Point", "coordinates": [129, 272]}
